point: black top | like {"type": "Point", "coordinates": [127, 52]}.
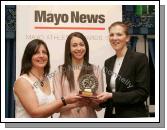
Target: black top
{"type": "Point", "coordinates": [132, 86]}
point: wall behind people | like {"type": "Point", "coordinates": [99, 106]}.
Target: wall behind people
{"type": "Point", "coordinates": [54, 23]}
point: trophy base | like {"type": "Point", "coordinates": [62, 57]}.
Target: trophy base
{"type": "Point", "coordinates": [87, 94]}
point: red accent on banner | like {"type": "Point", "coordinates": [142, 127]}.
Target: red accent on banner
{"type": "Point", "coordinates": [71, 28]}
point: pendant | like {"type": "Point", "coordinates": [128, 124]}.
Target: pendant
{"type": "Point", "coordinates": [78, 110]}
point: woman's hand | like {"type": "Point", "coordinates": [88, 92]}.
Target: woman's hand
{"type": "Point", "coordinates": [72, 99]}
{"type": "Point", "coordinates": [83, 102]}
{"type": "Point", "coordinates": [102, 97]}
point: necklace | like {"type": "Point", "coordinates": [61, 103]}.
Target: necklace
{"type": "Point", "coordinates": [41, 81]}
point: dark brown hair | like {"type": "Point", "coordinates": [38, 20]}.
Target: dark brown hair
{"type": "Point", "coordinates": [67, 68]}
{"type": "Point", "coordinates": [31, 48]}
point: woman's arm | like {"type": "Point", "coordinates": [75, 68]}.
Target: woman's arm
{"type": "Point", "coordinates": [28, 99]}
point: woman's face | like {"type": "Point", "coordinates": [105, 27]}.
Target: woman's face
{"type": "Point", "coordinates": [40, 58]}
{"type": "Point", "coordinates": [118, 38]}
{"type": "Point", "coordinates": [78, 49]}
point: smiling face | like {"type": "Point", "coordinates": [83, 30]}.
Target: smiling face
{"type": "Point", "coordinates": [78, 49]}
{"type": "Point", "coordinates": [40, 58]}
{"type": "Point", "coordinates": [118, 38]}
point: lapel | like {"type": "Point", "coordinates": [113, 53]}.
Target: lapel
{"type": "Point", "coordinates": [110, 68]}
{"type": "Point", "coordinates": [112, 62]}
{"type": "Point", "coordinates": [125, 63]}
{"type": "Point", "coordinates": [124, 66]}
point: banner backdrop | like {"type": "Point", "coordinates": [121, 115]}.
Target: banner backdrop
{"type": "Point", "coordinates": [54, 23]}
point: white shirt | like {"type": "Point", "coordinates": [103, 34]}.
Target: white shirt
{"type": "Point", "coordinates": [117, 66]}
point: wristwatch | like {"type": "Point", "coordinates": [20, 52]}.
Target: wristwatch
{"type": "Point", "coordinates": [63, 101]}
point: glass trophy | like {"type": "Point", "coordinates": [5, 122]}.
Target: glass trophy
{"type": "Point", "coordinates": [88, 84]}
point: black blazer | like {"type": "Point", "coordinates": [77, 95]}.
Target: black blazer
{"type": "Point", "coordinates": [132, 86]}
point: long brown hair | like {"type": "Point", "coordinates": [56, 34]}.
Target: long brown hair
{"type": "Point", "coordinates": [67, 68]}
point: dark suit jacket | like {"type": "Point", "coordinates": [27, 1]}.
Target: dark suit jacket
{"type": "Point", "coordinates": [132, 86]}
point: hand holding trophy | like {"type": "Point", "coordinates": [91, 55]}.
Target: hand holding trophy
{"type": "Point", "coordinates": [88, 84]}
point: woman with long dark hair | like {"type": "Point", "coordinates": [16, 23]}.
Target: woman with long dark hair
{"type": "Point", "coordinates": [76, 64]}
{"type": "Point", "coordinates": [33, 90]}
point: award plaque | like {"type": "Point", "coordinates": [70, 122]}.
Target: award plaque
{"type": "Point", "coordinates": [88, 84]}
